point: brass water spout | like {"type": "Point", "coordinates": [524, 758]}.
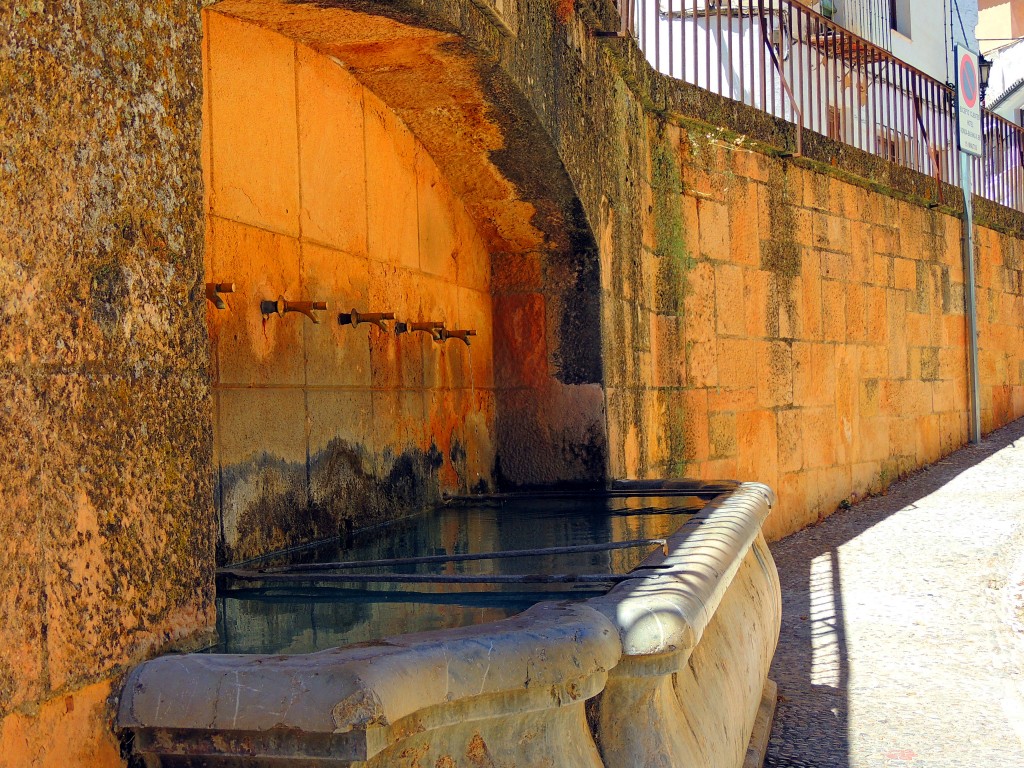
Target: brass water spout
{"type": "Point", "coordinates": [433, 327]}
{"type": "Point", "coordinates": [444, 335]}
{"type": "Point", "coordinates": [282, 306]}
{"type": "Point", "coordinates": [213, 291]}
{"type": "Point", "coordinates": [354, 318]}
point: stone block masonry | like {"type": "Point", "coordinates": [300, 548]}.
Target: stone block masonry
{"type": "Point", "coordinates": [821, 344]}
{"type": "Point", "coordinates": [331, 198]}
{"type": "Point", "coordinates": [699, 303]}
{"type": "Point", "coordinates": [793, 320]}
{"type": "Point", "coordinates": [106, 556]}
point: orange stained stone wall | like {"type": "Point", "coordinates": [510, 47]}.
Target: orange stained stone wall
{"type": "Point", "coordinates": [316, 190]}
{"type": "Point", "coordinates": [72, 729]}
{"type": "Point", "coordinates": [811, 333]}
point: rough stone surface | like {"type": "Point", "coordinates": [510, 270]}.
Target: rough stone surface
{"type": "Point", "coordinates": [432, 194]}
{"type": "Point", "coordinates": [104, 369]}
{"type": "Point", "coordinates": [326, 426]}
{"type": "Point", "coordinates": [760, 317]}
{"type": "Point", "coordinates": [902, 642]}
{"type": "Point", "coordinates": [697, 706]}
{"type": "Point", "coordinates": [105, 429]}
{"type": "Point", "coordinates": [703, 557]}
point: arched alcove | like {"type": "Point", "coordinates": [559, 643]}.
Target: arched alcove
{"type": "Point", "coordinates": [334, 173]}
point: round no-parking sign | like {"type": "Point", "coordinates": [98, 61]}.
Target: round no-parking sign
{"type": "Point", "coordinates": [968, 88]}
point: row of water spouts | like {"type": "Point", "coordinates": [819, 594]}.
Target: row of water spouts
{"type": "Point", "coordinates": [282, 306]}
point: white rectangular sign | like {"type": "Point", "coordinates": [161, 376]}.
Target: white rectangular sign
{"type": "Point", "coordinates": [968, 100]}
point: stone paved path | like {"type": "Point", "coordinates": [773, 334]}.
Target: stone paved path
{"type": "Point", "coordinates": [899, 647]}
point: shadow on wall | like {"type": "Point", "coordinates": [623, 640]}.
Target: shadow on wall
{"type": "Point", "coordinates": [811, 664]}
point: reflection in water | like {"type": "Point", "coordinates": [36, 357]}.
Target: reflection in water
{"type": "Point", "coordinates": [306, 617]}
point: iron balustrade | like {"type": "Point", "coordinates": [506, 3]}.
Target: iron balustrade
{"type": "Point", "coordinates": [784, 59]}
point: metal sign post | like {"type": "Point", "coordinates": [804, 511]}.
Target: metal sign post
{"type": "Point", "coordinates": [969, 140]}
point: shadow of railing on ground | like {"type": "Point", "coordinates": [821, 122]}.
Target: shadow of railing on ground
{"type": "Point", "coordinates": [811, 665]}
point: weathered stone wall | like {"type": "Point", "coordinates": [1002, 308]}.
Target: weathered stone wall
{"type": "Point", "coordinates": [847, 368]}
{"type": "Point", "coordinates": [105, 429]}
{"type": "Point", "coordinates": [793, 321]}
{"type": "Point", "coordinates": [328, 196]}
{"type": "Point", "coordinates": [814, 334]}
{"type": "Point", "coordinates": [392, 169]}
{"type": "Point", "coordinates": [798, 321]}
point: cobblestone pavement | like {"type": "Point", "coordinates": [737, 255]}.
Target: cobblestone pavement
{"type": "Point", "coordinates": [902, 642]}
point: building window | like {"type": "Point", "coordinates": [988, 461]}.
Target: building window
{"type": "Point", "coordinates": [894, 146]}
{"type": "Point", "coordinates": [835, 123]}
{"type": "Point", "coordinates": [899, 16]}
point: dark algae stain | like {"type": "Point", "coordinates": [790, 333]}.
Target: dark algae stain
{"type": "Point", "coordinates": [268, 506]}
{"type": "Point", "coordinates": [781, 253]}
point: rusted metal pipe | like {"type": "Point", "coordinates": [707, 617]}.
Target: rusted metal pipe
{"type": "Point", "coordinates": [462, 558]}
{"type": "Point", "coordinates": [213, 291]}
{"type": "Point", "coordinates": [354, 318]}
{"type": "Point", "coordinates": [444, 335]}
{"type": "Point", "coordinates": [425, 326]}
{"type": "Point", "coordinates": [427, 578]}
{"type": "Point", "coordinates": [282, 306]}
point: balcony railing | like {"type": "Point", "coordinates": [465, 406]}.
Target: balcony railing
{"type": "Point", "coordinates": [786, 60]}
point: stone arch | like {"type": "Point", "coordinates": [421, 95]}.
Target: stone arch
{"type": "Point", "coordinates": [370, 160]}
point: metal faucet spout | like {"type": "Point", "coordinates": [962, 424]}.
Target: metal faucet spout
{"type": "Point", "coordinates": [461, 335]}
{"type": "Point", "coordinates": [433, 327]}
{"type": "Point", "coordinates": [283, 306]}
{"type": "Point", "coordinates": [354, 318]}
{"type": "Point", "coordinates": [213, 291]}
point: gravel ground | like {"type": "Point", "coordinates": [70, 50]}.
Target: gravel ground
{"type": "Point", "coordinates": [902, 637]}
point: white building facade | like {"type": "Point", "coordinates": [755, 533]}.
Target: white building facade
{"type": "Point", "coordinates": [874, 74]}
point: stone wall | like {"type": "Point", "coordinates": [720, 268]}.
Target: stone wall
{"type": "Point", "coordinates": [810, 332]}
{"type": "Point", "coordinates": [798, 321]}
{"type": "Point", "coordinates": [105, 426]}
{"type": "Point", "coordinates": [318, 191]}
{"type": "Point", "coordinates": [793, 320]}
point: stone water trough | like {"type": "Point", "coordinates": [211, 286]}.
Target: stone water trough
{"type": "Point", "coordinates": [667, 668]}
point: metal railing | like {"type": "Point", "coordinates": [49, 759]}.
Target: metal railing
{"type": "Point", "coordinates": [784, 59]}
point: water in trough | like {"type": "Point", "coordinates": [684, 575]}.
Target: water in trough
{"type": "Point", "coordinates": [263, 615]}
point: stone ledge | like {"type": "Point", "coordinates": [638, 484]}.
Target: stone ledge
{"type": "Point", "coordinates": [669, 606]}
{"type": "Point", "coordinates": [360, 696]}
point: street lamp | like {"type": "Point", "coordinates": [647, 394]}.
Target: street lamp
{"type": "Point", "coordinates": [984, 69]}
